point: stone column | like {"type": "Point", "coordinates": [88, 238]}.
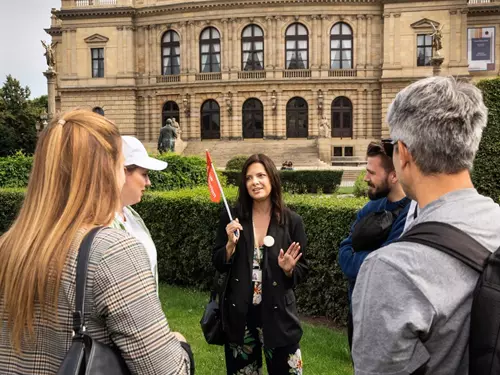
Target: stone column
{"type": "Point", "coordinates": [234, 46]}
{"type": "Point", "coordinates": [358, 120]}
{"type": "Point", "coordinates": [51, 76]}
{"type": "Point", "coordinates": [225, 45]}
{"type": "Point", "coordinates": [464, 59]}
{"type": "Point", "coordinates": [369, 59]}
{"type": "Point", "coordinates": [154, 49]}
{"type": "Point", "coordinates": [269, 43]}
{"type": "Point", "coordinates": [396, 60]}
{"type": "Point", "coordinates": [369, 110]}
{"type": "Point", "coordinates": [192, 47]}
{"type": "Point", "coordinates": [120, 60]}
{"type": "Point", "coordinates": [314, 43]}
{"type": "Point", "coordinates": [386, 41]}
{"type": "Point", "coordinates": [130, 56]}
{"type": "Point", "coordinates": [319, 41]}
{"type": "Point", "coordinates": [277, 43]}
{"type": "Point", "coordinates": [74, 70]}
{"type": "Point", "coordinates": [358, 40]}
{"type": "Point", "coordinates": [147, 55]}
{"type": "Point", "coordinates": [454, 38]}
{"type": "Point", "coordinates": [324, 40]}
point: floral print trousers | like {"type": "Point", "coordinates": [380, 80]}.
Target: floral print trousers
{"type": "Point", "coordinates": [247, 359]}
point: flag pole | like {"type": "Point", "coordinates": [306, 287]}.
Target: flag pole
{"type": "Point", "coordinates": [222, 193]}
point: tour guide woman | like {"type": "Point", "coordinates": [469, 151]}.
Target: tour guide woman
{"type": "Point", "coordinates": [263, 248]}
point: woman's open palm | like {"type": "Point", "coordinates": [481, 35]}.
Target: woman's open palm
{"type": "Point", "coordinates": [288, 260]}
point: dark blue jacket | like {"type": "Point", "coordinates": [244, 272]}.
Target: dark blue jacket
{"type": "Point", "coordinates": [350, 261]}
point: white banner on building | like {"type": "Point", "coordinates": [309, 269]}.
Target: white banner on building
{"type": "Point", "coordinates": [481, 48]}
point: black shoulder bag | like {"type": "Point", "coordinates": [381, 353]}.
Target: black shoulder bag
{"type": "Point", "coordinates": [373, 229]}
{"type": "Point", "coordinates": [211, 321]}
{"type": "Point", "coordinates": [86, 355]}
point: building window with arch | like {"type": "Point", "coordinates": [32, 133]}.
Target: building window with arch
{"type": "Point", "coordinates": [253, 119]}
{"type": "Point", "coordinates": [210, 50]}
{"type": "Point", "coordinates": [170, 110]}
{"type": "Point", "coordinates": [342, 117]}
{"type": "Point", "coordinates": [297, 47]}
{"type": "Point", "coordinates": [297, 118]}
{"type": "Point", "coordinates": [210, 120]}
{"type": "Point", "coordinates": [252, 48]}
{"type": "Point", "coordinates": [341, 49]}
{"type": "Point", "coordinates": [424, 49]}
{"type": "Point", "coordinates": [171, 53]}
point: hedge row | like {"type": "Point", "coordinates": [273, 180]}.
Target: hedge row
{"type": "Point", "coordinates": [486, 172]}
{"type": "Point", "coordinates": [182, 172]}
{"type": "Point", "coordinates": [183, 225]}
{"type": "Point", "coordinates": [301, 181]}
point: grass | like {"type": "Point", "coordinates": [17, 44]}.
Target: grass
{"type": "Point", "coordinates": [324, 350]}
{"type": "Point", "coordinates": [345, 190]}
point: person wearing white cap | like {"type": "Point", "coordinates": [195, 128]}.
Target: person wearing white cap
{"type": "Point", "coordinates": [137, 164]}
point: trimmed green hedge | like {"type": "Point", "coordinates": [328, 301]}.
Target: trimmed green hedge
{"type": "Point", "coordinates": [301, 181]}
{"type": "Point", "coordinates": [360, 186]}
{"type": "Point", "coordinates": [236, 163]}
{"type": "Point", "coordinates": [182, 172]}
{"type": "Point", "coordinates": [183, 225]}
{"type": "Point", "coordinates": [486, 172]}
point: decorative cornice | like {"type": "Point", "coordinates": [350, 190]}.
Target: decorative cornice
{"type": "Point", "coordinates": [93, 12]}
{"type": "Point", "coordinates": [54, 31]}
{"type": "Point", "coordinates": [96, 38]}
{"type": "Point", "coordinates": [424, 23]}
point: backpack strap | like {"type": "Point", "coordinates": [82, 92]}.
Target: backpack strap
{"type": "Point", "coordinates": [81, 281]}
{"type": "Point", "coordinates": [450, 240]}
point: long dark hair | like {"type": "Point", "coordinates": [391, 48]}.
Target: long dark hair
{"type": "Point", "coordinates": [245, 201]}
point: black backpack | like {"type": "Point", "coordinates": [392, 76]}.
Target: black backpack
{"type": "Point", "coordinates": [484, 340]}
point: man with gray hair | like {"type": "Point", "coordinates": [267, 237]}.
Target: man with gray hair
{"type": "Point", "coordinates": [412, 303]}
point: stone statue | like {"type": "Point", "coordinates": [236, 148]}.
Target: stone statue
{"type": "Point", "coordinates": [49, 54]}
{"type": "Point", "coordinates": [437, 38]}
{"type": "Point", "coordinates": [166, 140]}
{"type": "Point", "coordinates": [324, 128]}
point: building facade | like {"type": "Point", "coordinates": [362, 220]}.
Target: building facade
{"type": "Point", "coordinates": [262, 69]}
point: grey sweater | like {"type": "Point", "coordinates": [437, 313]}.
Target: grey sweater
{"type": "Point", "coordinates": [412, 303]}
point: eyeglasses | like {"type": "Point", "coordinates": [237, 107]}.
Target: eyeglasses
{"type": "Point", "coordinates": [388, 145]}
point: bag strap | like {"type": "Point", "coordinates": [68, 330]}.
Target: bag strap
{"type": "Point", "coordinates": [450, 240]}
{"type": "Point", "coordinates": [81, 281]}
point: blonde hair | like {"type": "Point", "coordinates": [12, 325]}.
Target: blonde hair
{"type": "Point", "coordinates": [73, 185]}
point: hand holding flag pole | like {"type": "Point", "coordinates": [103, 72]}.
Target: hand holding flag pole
{"type": "Point", "coordinates": [215, 187]}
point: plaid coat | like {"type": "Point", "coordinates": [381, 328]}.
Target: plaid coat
{"type": "Point", "coordinates": [121, 307]}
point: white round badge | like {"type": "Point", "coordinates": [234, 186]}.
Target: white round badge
{"type": "Point", "coordinates": [268, 241]}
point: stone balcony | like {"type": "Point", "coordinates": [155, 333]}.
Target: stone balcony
{"type": "Point", "coordinates": [76, 4]}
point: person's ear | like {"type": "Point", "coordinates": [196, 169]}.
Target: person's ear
{"type": "Point", "coordinates": [403, 154]}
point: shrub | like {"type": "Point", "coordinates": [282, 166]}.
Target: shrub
{"type": "Point", "coordinates": [236, 163]}
{"type": "Point", "coordinates": [182, 172]}
{"type": "Point", "coordinates": [15, 170]}
{"type": "Point", "coordinates": [301, 181]}
{"type": "Point", "coordinates": [485, 174]}
{"type": "Point", "coordinates": [360, 186]}
{"type": "Point", "coordinates": [184, 223]}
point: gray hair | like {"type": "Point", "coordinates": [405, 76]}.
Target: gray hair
{"type": "Point", "coordinates": [440, 120]}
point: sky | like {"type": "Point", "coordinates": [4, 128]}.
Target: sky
{"type": "Point", "coordinates": [22, 24]}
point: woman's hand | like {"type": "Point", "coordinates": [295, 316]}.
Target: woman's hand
{"type": "Point", "coordinates": [288, 260]}
{"type": "Point", "coordinates": [233, 235]}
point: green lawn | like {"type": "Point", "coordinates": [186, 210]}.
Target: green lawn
{"type": "Point", "coordinates": [324, 350]}
{"type": "Point", "coordinates": [345, 190]}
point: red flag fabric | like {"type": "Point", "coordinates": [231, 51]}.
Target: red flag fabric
{"type": "Point", "coordinates": [213, 186]}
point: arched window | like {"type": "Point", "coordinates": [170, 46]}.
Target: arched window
{"type": "Point", "coordinates": [297, 47]}
{"type": "Point", "coordinates": [171, 53]}
{"type": "Point", "coordinates": [341, 46]}
{"type": "Point", "coordinates": [253, 119]}
{"type": "Point", "coordinates": [252, 48]}
{"type": "Point", "coordinates": [297, 118]}
{"type": "Point", "coordinates": [210, 120]}
{"type": "Point", "coordinates": [210, 50]}
{"type": "Point", "coordinates": [342, 117]}
{"type": "Point", "coordinates": [170, 110]}
{"type": "Point", "coordinates": [98, 110]}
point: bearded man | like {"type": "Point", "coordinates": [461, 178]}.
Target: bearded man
{"type": "Point", "coordinates": [380, 221]}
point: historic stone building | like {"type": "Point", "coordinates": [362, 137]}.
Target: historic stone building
{"type": "Point", "coordinates": [280, 70]}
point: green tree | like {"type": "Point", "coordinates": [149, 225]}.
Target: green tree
{"type": "Point", "coordinates": [18, 117]}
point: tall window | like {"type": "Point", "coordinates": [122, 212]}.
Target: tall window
{"type": "Point", "coordinates": [252, 45]}
{"type": "Point", "coordinates": [170, 110]}
{"type": "Point", "coordinates": [342, 117]}
{"type": "Point", "coordinates": [210, 50]}
{"type": "Point", "coordinates": [171, 53]}
{"type": "Point", "coordinates": [210, 120]}
{"type": "Point", "coordinates": [297, 47]}
{"type": "Point", "coordinates": [297, 118]}
{"type": "Point", "coordinates": [341, 46]}
{"type": "Point", "coordinates": [424, 49]}
{"type": "Point", "coordinates": [97, 62]}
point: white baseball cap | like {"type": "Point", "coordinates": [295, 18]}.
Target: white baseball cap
{"type": "Point", "coordinates": [135, 154]}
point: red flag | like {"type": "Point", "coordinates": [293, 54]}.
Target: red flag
{"type": "Point", "coordinates": [213, 186]}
